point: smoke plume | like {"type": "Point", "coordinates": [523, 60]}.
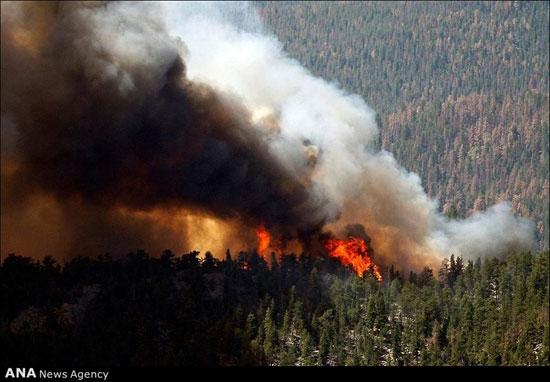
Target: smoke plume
{"type": "Point", "coordinates": [151, 125]}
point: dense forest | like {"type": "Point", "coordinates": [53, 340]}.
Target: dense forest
{"type": "Point", "coordinates": [461, 92]}
{"type": "Point", "coordinates": [460, 88]}
{"type": "Point", "coordinates": [303, 310]}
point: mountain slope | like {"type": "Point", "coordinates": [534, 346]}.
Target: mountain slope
{"type": "Point", "coordinates": [461, 89]}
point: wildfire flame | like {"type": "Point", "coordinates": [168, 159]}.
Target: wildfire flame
{"type": "Point", "coordinates": [264, 239]}
{"type": "Point", "coordinates": [353, 251]}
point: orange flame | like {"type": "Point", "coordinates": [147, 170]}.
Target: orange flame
{"type": "Point", "coordinates": [353, 251]}
{"type": "Point", "coordinates": [264, 239]}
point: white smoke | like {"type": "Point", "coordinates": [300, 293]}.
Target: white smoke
{"type": "Point", "coordinates": [254, 67]}
{"type": "Point", "coordinates": [229, 50]}
{"type": "Point", "coordinates": [492, 233]}
{"type": "Point", "coordinates": [226, 46]}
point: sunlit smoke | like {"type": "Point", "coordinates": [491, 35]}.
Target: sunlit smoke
{"type": "Point", "coordinates": [137, 124]}
{"type": "Point", "coordinates": [338, 129]}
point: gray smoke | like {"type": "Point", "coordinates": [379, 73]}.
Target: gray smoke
{"type": "Point", "coordinates": [105, 114]}
{"type": "Point", "coordinates": [121, 109]}
{"type": "Point", "coordinates": [362, 185]}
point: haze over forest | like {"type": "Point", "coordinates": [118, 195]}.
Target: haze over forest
{"type": "Point", "coordinates": [460, 88]}
{"type": "Point", "coordinates": [275, 183]}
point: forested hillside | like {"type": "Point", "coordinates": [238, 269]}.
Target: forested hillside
{"type": "Point", "coordinates": [462, 95]}
{"type": "Point", "coordinates": [461, 89]}
{"type": "Point", "coordinates": [306, 310]}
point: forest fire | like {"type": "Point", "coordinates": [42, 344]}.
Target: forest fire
{"type": "Point", "coordinates": [169, 144]}
{"type": "Point", "coordinates": [264, 240]}
{"type": "Point", "coordinates": [353, 251]}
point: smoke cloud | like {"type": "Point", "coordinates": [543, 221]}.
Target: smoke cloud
{"type": "Point", "coordinates": [152, 125]}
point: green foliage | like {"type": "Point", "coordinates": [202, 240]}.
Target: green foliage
{"type": "Point", "coordinates": [190, 310]}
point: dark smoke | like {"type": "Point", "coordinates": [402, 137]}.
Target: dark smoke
{"type": "Point", "coordinates": [99, 131]}
{"type": "Point", "coordinates": [107, 143]}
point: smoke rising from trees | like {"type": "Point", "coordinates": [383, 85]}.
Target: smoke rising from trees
{"type": "Point", "coordinates": [112, 111]}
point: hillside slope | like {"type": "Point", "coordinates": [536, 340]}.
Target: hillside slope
{"type": "Point", "coordinates": [461, 89]}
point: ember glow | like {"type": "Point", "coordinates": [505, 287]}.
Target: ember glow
{"type": "Point", "coordinates": [353, 251]}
